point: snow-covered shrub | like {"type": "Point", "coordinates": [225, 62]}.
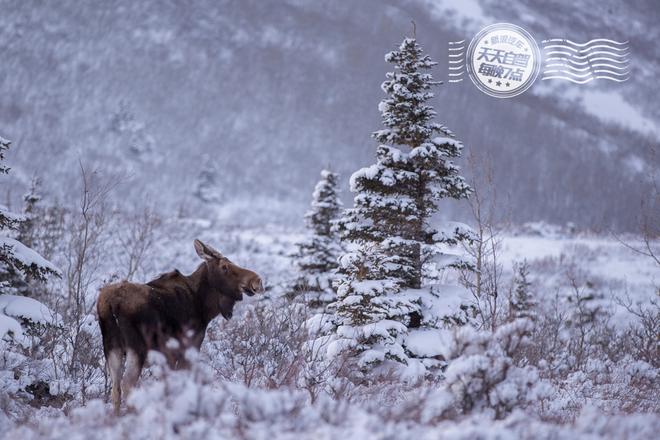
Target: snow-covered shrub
{"type": "Point", "coordinates": [483, 376]}
{"type": "Point", "coordinates": [262, 347]}
{"type": "Point", "coordinates": [576, 345]}
{"type": "Point", "coordinates": [642, 333]}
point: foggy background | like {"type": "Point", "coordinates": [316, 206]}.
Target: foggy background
{"type": "Point", "coordinates": [255, 97]}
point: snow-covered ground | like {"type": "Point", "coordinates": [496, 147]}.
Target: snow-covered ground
{"type": "Point", "coordinates": [214, 400]}
{"type": "Point", "coordinates": [620, 272]}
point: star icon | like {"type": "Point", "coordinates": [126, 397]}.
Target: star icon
{"type": "Point", "coordinates": [508, 84]}
{"type": "Point", "coordinates": [490, 80]}
{"type": "Point", "coordinates": [499, 83]}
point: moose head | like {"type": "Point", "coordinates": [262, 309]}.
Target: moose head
{"type": "Point", "coordinates": [229, 280]}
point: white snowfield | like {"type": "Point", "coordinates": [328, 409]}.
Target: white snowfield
{"type": "Point", "coordinates": [622, 274]}
{"type": "Point", "coordinates": [200, 404]}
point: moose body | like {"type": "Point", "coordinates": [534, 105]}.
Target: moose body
{"type": "Point", "coordinates": [135, 318]}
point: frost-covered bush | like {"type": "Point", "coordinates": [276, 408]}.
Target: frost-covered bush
{"type": "Point", "coordinates": [483, 376]}
{"type": "Point", "coordinates": [261, 347]}
{"type": "Point", "coordinates": [194, 403]}
{"type": "Point", "coordinates": [577, 346]}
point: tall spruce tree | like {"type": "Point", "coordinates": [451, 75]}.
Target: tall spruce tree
{"type": "Point", "coordinates": [317, 254]}
{"type": "Point", "coordinates": [379, 296]}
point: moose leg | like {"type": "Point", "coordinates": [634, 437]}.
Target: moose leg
{"type": "Point", "coordinates": [136, 354]}
{"type": "Point", "coordinates": [116, 367]}
{"type": "Point", "coordinates": [134, 363]}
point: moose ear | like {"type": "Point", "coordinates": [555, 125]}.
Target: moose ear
{"type": "Point", "coordinates": [206, 252]}
{"type": "Point", "coordinates": [202, 250]}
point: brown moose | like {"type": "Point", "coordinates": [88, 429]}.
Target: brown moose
{"type": "Point", "coordinates": [136, 318]}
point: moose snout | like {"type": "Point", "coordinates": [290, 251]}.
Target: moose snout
{"type": "Point", "coordinates": [257, 285]}
{"type": "Point", "coordinates": [254, 286]}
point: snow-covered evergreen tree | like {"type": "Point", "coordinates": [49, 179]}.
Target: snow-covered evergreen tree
{"type": "Point", "coordinates": [379, 296]}
{"type": "Point", "coordinates": [522, 303]}
{"type": "Point", "coordinates": [207, 189]}
{"type": "Point", "coordinates": [133, 135]}
{"type": "Point", "coordinates": [18, 265]}
{"type": "Point", "coordinates": [318, 252]}
{"type": "Point", "coordinates": [30, 201]}
{"type": "Point", "coordinates": [16, 257]}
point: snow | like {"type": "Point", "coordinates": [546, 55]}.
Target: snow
{"type": "Point", "coordinates": [27, 256]}
{"type": "Point", "coordinates": [429, 342]}
{"type": "Point", "coordinates": [382, 328]}
{"type": "Point", "coordinates": [26, 308]}
{"type": "Point", "coordinates": [11, 326]}
{"type": "Point", "coordinates": [611, 106]}
{"type": "Point", "coordinates": [440, 140]}
{"type": "Point", "coordinates": [11, 216]}
{"type": "Point", "coordinates": [442, 299]}
{"type": "Point", "coordinates": [606, 258]}
{"type": "Point", "coordinates": [467, 13]}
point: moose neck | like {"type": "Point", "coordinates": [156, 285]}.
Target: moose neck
{"type": "Point", "coordinates": [208, 297]}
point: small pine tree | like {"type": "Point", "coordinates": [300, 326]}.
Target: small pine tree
{"type": "Point", "coordinates": [389, 223]}
{"type": "Point", "coordinates": [207, 189]}
{"type": "Point", "coordinates": [133, 134]}
{"type": "Point", "coordinates": [4, 146]}
{"type": "Point", "coordinates": [30, 208]}
{"type": "Point", "coordinates": [317, 254]}
{"type": "Point", "coordinates": [522, 303]}
{"type": "Point", "coordinates": [588, 305]}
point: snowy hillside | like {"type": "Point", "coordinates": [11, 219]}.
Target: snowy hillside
{"type": "Point", "coordinates": [152, 91]}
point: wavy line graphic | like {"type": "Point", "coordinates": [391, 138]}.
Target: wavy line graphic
{"type": "Point", "coordinates": [587, 56]}
{"type": "Point", "coordinates": [456, 61]}
{"type": "Point", "coordinates": [563, 67]}
{"type": "Point", "coordinates": [586, 80]}
{"type": "Point", "coordinates": [590, 48]}
{"type": "Point", "coordinates": [584, 63]}
{"type": "Point", "coordinates": [597, 40]}
{"type": "Point", "coordinates": [581, 63]}
{"type": "Point", "coordinates": [584, 75]}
